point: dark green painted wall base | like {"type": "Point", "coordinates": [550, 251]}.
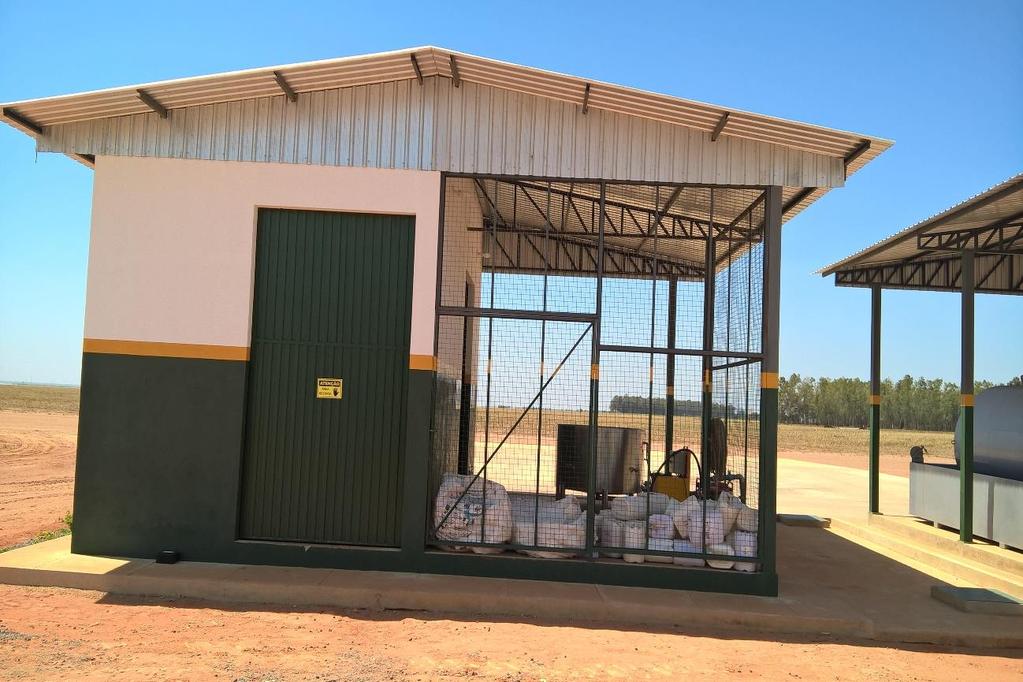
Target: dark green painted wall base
{"type": "Point", "coordinates": [159, 460]}
{"type": "Point", "coordinates": [159, 455]}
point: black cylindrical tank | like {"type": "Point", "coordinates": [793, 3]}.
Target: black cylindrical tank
{"type": "Point", "coordinates": [997, 433]}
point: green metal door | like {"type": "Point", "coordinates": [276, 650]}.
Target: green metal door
{"type": "Point", "coordinates": [333, 298]}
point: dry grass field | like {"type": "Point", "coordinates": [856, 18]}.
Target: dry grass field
{"type": "Point", "coordinates": [32, 398]}
{"type": "Point", "coordinates": [791, 437]}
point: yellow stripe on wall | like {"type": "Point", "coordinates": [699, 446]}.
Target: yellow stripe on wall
{"type": "Point", "coordinates": [423, 362]}
{"type": "Point", "coordinates": [165, 350]}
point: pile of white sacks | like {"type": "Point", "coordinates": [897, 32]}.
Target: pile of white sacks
{"type": "Point", "coordinates": [657, 522]}
{"type": "Point", "coordinates": [463, 515]}
{"type": "Point", "coordinates": [497, 518]}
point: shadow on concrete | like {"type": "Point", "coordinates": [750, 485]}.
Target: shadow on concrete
{"type": "Point", "coordinates": [823, 576]}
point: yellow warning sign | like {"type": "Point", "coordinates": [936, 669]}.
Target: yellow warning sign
{"type": "Point", "coordinates": [328, 388]}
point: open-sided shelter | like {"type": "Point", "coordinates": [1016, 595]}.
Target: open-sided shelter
{"type": "Point", "coordinates": [975, 246]}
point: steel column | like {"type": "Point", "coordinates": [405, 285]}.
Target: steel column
{"type": "Point", "coordinates": [706, 396]}
{"type": "Point", "coordinates": [966, 403]}
{"type": "Point", "coordinates": [669, 388]}
{"type": "Point", "coordinates": [769, 379]}
{"type": "Point", "coordinates": [591, 469]}
{"type": "Point", "coordinates": [875, 399]}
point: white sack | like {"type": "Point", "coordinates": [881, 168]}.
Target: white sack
{"type": "Point", "coordinates": [720, 549]}
{"type": "Point", "coordinates": [686, 546]}
{"type": "Point", "coordinates": [660, 545]}
{"type": "Point", "coordinates": [661, 527]}
{"type": "Point", "coordinates": [634, 538]}
{"type": "Point", "coordinates": [745, 544]}
{"type": "Point", "coordinates": [658, 502]}
{"type": "Point", "coordinates": [680, 520]}
{"type": "Point", "coordinates": [673, 507]}
{"type": "Point", "coordinates": [634, 507]}
{"type": "Point", "coordinates": [691, 504]}
{"type": "Point", "coordinates": [706, 530]}
{"type": "Point", "coordinates": [548, 523]}
{"type": "Point", "coordinates": [612, 534]}
{"type": "Point", "coordinates": [465, 523]}
{"type": "Point", "coordinates": [729, 506]}
{"type": "Point", "coordinates": [748, 519]}
{"type": "Point", "coordinates": [561, 533]}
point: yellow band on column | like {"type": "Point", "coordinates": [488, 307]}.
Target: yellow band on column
{"type": "Point", "coordinates": [966, 400]}
{"type": "Point", "coordinates": [422, 362]}
{"type": "Point", "coordinates": [769, 380]}
{"type": "Point", "coordinates": [595, 372]}
{"type": "Point", "coordinates": [875, 400]}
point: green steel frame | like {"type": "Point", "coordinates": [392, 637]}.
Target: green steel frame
{"type": "Point", "coordinates": [763, 582]}
{"type": "Point", "coordinates": [967, 287]}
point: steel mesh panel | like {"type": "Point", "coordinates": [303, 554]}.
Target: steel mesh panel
{"type": "Point", "coordinates": [537, 450]}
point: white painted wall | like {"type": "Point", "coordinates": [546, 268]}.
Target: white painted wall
{"type": "Point", "coordinates": [172, 247]}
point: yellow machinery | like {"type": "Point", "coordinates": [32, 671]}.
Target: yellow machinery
{"type": "Point", "coordinates": [672, 477]}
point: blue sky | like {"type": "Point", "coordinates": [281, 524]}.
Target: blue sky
{"type": "Point", "coordinates": [940, 78]}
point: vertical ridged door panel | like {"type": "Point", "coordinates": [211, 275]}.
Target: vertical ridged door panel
{"type": "Point", "coordinates": [332, 299]}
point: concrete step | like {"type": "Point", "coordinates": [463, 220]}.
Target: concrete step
{"type": "Point", "coordinates": [947, 541]}
{"type": "Point", "coordinates": [949, 566]}
{"type": "Point", "coordinates": [878, 545]}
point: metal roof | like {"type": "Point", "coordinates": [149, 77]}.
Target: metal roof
{"type": "Point", "coordinates": [926, 255]}
{"type": "Point", "coordinates": [32, 116]}
{"type": "Point", "coordinates": [643, 224]}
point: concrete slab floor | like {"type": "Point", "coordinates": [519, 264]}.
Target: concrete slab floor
{"type": "Point", "coordinates": [828, 585]}
{"type": "Point", "coordinates": [835, 491]}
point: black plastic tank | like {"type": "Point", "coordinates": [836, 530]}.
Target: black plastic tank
{"type": "Point", "coordinates": [997, 432]}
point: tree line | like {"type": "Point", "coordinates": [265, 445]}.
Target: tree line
{"type": "Point", "coordinates": [636, 404]}
{"type": "Point", "coordinates": [907, 403]}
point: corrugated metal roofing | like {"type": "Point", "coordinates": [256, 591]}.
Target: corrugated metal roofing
{"type": "Point", "coordinates": [436, 126]}
{"type": "Point", "coordinates": [1002, 202]}
{"type": "Point", "coordinates": [433, 61]}
{"type": "Point", "coordinates": [999, 269]}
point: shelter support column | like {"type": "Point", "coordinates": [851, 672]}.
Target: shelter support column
{"type": "Point", "coordinates": [769, 378]}
{"type": "Point", "coordinates": [874, 461]}
{"type": "Point", "coordinates": [965, 434]}
{"type": "Point", "coordinates": [669, 388]}
{"type": "Point", "coordinates": [706, 396]}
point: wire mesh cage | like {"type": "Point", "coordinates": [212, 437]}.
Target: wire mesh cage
{"type": "Point", "coordinates": [598, 372]}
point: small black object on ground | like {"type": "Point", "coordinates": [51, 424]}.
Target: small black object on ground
{"type": "Point", "coordinates": [168, 556]}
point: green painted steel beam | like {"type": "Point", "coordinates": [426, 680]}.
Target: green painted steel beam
{"type": "Point", "coordinates": [769, 381]}
{"type": "Point", "coordinates": [873, 465]}
{"type": "Point", "coordinates": [966, 402]}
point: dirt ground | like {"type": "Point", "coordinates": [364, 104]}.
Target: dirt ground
{"type": "Point", "coordinates": [51, 633]}
{"type": "Point", "coordinates": [37, 469]}
{"type": "Point", "coordinates": [71, 634]}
